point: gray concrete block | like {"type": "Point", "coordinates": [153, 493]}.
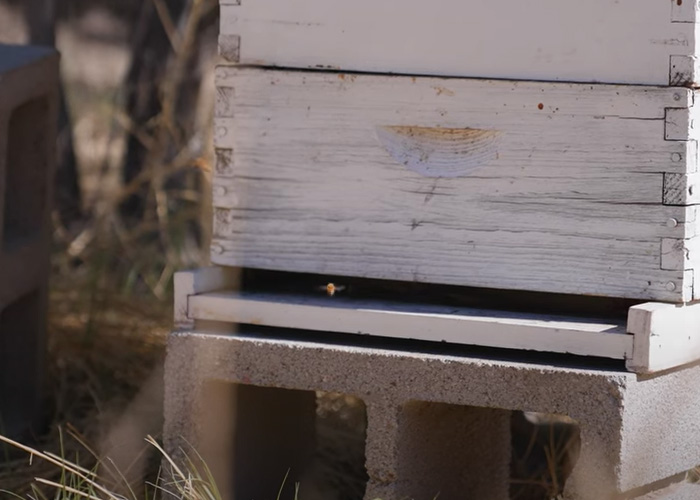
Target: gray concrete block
{"type": "Point", "coordinates": [28, 120]}
{"type": "Point", "coordinates": [634, 432]}
{"type": "Point", "coordinates": [22, 361]}
{"type": "Point", "coordinates": [258, 436]}
{"type": "Point", "coordinates": [680, 491]}
{"type": "Point", "coordinates": [453, 451]}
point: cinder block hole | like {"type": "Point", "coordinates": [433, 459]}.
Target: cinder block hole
{"type": "Point", "coordinates": [545, 450]}
{"type": "Point", "coordinates": [255, 436]}
{"type": "Point", "coordinates": [21, 357]}
{"type": "Point", "coordinates": [456, 452]}
{"type": "Point", "coordinates": [338, 470]}
{"type": "Point", "coordinates": [26, 172]}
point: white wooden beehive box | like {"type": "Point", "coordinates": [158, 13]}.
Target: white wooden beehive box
{"type": "Point", "coordinates": [447, 144]}
{"type": "Point", "coordinates": [566, 188]}
{"type": "Point", "coordinates": [651, 42]}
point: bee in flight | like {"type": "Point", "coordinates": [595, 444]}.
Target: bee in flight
{"type": "Point", "coordinates": [331, 289]}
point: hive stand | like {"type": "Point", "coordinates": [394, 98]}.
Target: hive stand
{"type": "Point", "coordinates": [28, 118]}
{"type": "Point", "coordinates": [436, 422]}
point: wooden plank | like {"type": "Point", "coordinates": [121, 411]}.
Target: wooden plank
{"type": "Point", "coordinates": [230, 48]}
{"type": "Point", "coordinates": [685, 71]}
{"type": "Point", "coordinates": [489, 264]}
{"type": "Point", "coordinates": [680, 254]}
{"type": "Point", "coordinates": [665, 336]}
{"type": "Point", "coordinates": [434, 323]}
{"type": "Point", "coordinates": [515, 97]}
{"type": "Point", "coordinates": [682, 124]}
{"type": "Point", "coordinates": [537, 40]}
{"type": "Point", "coordinates": [452, 181]}
{"type": "Point", "coordinates": [681, 12]}
{"type": "Point", "coordinates": [202, 280]}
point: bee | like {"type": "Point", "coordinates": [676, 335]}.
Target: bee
{"type": "Point", "coordinates": [331, 289]}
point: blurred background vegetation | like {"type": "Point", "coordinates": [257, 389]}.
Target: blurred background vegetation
{"type": "Point", "coordinates": [134, 153]}
{"type": "Point", "coordinates": [131, 206]}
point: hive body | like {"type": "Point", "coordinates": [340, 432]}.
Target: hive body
{"type": "Point", "coordinates": [565, 188]}
{"type": "Point", "coordinates": [630, 41]}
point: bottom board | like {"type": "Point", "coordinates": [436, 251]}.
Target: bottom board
{"type": "Point", "coordinates": [655, 337]}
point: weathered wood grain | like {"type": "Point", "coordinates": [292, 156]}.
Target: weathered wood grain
{"type": "Point", "coordinates": [522, 185]}
{"type": "Point", "coordinates": [199, 281]}
{"type": "Point", "coordinates": [682, 189]}
{"type": "Point", "coordinates": [665, 336]}
{"type": "Point", "coordinates": [627, 41]}
{"type": "Point", "coordinates": [490, 328]}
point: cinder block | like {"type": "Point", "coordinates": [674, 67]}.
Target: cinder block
{"type": "Point", "coordinates": [22, 360]}
{"type": "Point", "coordinates": [256, 436]}
{"type": "Point", "coordinates": [28, 119]}
{"type": "Point", "coordinates": [679, 491]}
{"type": "Point", "coordinates": [628, 438]}
{"type": "Point", "coordinates": [454, 451]}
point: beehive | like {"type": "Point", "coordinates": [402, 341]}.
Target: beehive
{"type": "Point", "coordinates": [426, 147]}
{"type": "Point", "coordinates": [451, 144]}
{"type": "Point", "coordinates": [557, 187]}
{"type": "Point", "coordinates": [567, 188]}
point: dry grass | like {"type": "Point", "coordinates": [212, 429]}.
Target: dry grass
{"type": "Point", "coordinates": [102, 349]}
{"type": "Point", "coordinates": [110, 307]}
{"type": "Point", "coordinates": [190, 479]}
{"type": "Point", "coordinates": [140, 253]}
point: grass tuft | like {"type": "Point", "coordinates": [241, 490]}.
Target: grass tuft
{"type": "Point", "coordinates": [186, 479]}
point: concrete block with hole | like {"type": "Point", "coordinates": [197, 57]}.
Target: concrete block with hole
{"type": "Point", "coordinates": [436, 422]}
{"type": "Point", "coordinates": [28, 116]}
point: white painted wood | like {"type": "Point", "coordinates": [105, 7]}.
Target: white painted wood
{"type": "Point", "coordinates": [682, 125]}
{"type": "Point", "coordinates": [202, 280]}
{"type": "Point", "coordinates": [683, 11]}
{"type": "Point", "coordinates": [656, 337]}
{"type": "Point", "coordinates": [230, 47]}
{"type": "Point", "coordinates": [534, 186]}
{"type": "Point", "coordinates": [665, 336]}
{"type": "Point", "coordinates": [626, 41]}
{"type": "Point", "coordinates": [685, 71]}
{"type": "Point", "coordinates": [679, 254]}
{"type": "Point", "coordinates": [419, 322]}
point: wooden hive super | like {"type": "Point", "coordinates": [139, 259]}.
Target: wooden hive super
{"type": "Point", "coordinates": [650, 42]}
{"type": "Point", "coordinates": [566, 188]}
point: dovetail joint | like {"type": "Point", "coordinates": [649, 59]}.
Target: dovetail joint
{"type": "Point", "coordinates": [230, 48]}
